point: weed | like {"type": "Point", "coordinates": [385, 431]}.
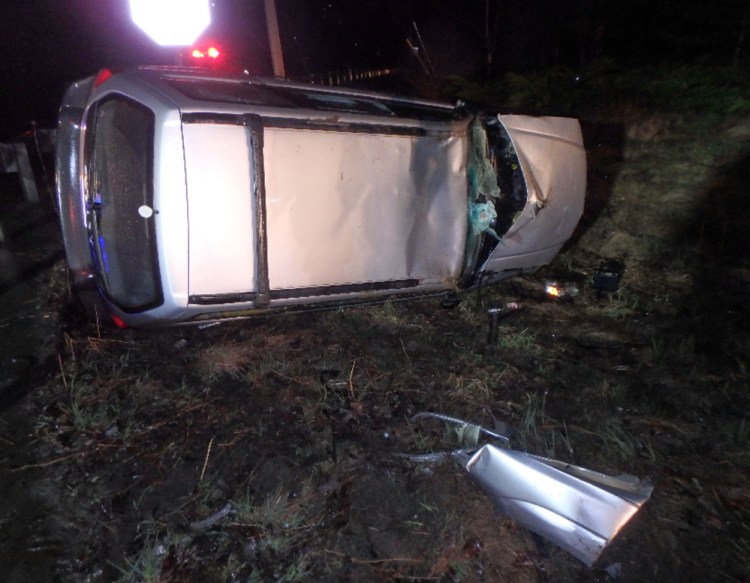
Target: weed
{"type": "Point", "coordinates": [621, 304]}
{"type": "Point", "coordinates": [460, 570]}
{"type": "Point", "coordinates": [742, 371]}
{"type": "Point", "coordinates": [390, 313]}
{"type": "Point", "coordinates": [562, 437]}
{"type": "Point", "coordinates": [88, 409]}
{"type": "Point", "coordinates": [530, 414]}
{"type": "Point", "coordinates": [566, 261]}
{"type": "Point", "coordinates": [273, 364]}
{"type": "Point", "coordinates": [607, 390]}
{"type": "Point", "coordinates": [532, 433]}
{"type": "Point", "coordinates": [524, 341]}
{"type": "Point", "coordinates": [282, 517]}
{"type": "Point", "coordinates": [225, 358]}
{"type": "Point", "coordinates": [145, 567]}
{"type": "Point", "coordinates": [738, 432]}
{"type": "Point", "coordinates": [470, 386]}
{"type": "Point", "coordinates": [623, 445]}
{"type": "Point", "coordinates": [658, 348]}
{"type": "Point", "coordinates": [299, 570]}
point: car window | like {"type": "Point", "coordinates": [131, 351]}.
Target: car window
{"type": "Point", "coordinates": [333, 102]}
{"type": "Point", "coordinates": [119, 163]}
{"type": "Point", "coordinates": [421, 111]}
{"type": "Point", "coordinates": [227, 92]}
{"type": "Point", "coordinates": [247, 93]}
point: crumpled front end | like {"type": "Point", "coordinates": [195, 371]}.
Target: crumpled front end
{"type": "Point", "coordinates": [539, 165]}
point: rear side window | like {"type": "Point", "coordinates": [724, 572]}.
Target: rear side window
{"type": "Point", "coordinates": [227, 92]}
{"type": "Point", "coordinates": [119, 163]}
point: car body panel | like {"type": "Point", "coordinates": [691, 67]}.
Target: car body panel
{"type": "Point", "coordinates": [68, 179]}
{"type": "Point", "coordinates": [221, 244]}
{"type": "Point", "coordinates": [350, 208]}
{"type": "Point", "coordinates": [273, 195]}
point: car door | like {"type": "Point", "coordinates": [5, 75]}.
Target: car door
{"type": "Point", "coordinates": [354, 211]}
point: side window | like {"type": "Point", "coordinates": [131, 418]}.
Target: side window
{"type": "Point", "coordinates": [119, 155]}
{"type": "Point", "coordinates": [343, 103]}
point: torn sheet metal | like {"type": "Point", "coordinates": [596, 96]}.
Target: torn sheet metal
{"type": "Point", "coordinates": [553, 161]}
{"type": "Point", "coordinates": [579, 510]}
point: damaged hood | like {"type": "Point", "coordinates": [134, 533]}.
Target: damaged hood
{"type": "Point", "coordinates": [553, 162]}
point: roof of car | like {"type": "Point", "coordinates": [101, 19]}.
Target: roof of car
{"type": "Point", "coordinates": [215, 85]}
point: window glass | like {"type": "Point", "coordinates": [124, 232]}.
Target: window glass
{"type": "Point", "coordinates": [227, 92]}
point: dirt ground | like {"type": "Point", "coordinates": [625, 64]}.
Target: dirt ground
{"type": "Point", "coordinates": [269, 449]}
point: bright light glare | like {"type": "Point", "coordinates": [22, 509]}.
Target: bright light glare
{"type": "Point", "coordinates": [553, 290]}
{"type": "Point", "coordinates": [210, 52]}
{"type": "Point", "coordinates": [171, 22]}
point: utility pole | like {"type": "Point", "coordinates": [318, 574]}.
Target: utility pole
{"type": "Point", "coordinates": [274, 40]}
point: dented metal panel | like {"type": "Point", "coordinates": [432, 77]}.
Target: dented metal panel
{"type": "Point", "coordinates": [553, 160]}
{"type": "Point", "coordinates": [349, 208]}
{"type": "Point", "coordinates": [579, 510]}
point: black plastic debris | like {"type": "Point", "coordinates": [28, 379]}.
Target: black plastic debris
{"type": "Point", "coordinates": [449, 300]}
{"type": "Point", "coordinates": [607, 276]}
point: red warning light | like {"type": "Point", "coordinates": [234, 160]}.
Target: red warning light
{"type": "Point", "coordinates": [117, 321]}
{"type": "Point", "coordinates": [101, 77]}
{"type": "Point", "coordinates": [210, 53]}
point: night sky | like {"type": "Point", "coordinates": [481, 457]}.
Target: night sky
{"type": "Point", "coordinates": [49, 43]}
{"type": "Point", "coordinates": [46, 44]}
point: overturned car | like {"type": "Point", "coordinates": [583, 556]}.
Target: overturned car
{"type": "Point", "coordinates": [188, 196]}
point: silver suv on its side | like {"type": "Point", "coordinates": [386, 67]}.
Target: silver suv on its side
{"type": "Point", "coordinates": [188, 196]}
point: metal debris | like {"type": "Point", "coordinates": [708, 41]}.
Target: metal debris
{"type": "Point", "coordinates": [497, 314]}
{"type": "Point", "coordinates": [457, 421]}
{"type": "Point", "coordinates": [577, 509]}
{"type": "Point", "coordinates": [227, 510]}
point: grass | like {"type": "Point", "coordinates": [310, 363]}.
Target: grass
{"type": "Point", "coordinates": [145, 566]}
{"type": "Point", "coordinates": [523, 340]}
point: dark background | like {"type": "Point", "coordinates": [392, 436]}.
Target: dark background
{"type": "Point", "coordinates": [48, 43]}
